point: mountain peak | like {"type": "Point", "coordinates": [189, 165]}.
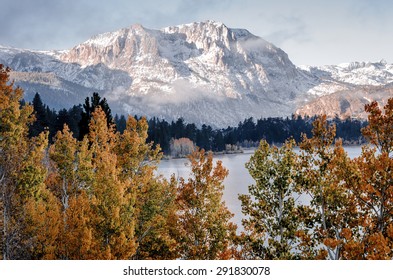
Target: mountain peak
{"type": "Point", "coordinates": [198, 24]}
{"type": "Point", "coordinates": [137, 26]}
{"type": "Point", "coordinates": [207, 28]}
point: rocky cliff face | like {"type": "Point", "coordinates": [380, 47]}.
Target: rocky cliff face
{"type": "Point", "coordinates": [204, 72]}
{"type": "Point", "coordinates": [347, 103]}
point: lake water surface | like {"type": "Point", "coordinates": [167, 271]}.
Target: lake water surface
{"type": "Point", "coordinates": [238, 179]}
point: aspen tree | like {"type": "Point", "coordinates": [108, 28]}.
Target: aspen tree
{"type": "Point", "coordinates": [153, 197]}
{"type": "Point", "coordinates": [332, 209]}
{"type": "Point", "coordinates": [70, 182]}
{"type": "Point", "coordinates": [372, 185]}
{"type": "Point", "coordinates": [271, 221]}
{"type": "Point", "coordinates": [14, 121]}
{"type": "Point", "coordinates": [113, 220]}
{"type": "Point", "coordinates": [204, 221]}
{"type": "Point", "coordinates": [30, 214]}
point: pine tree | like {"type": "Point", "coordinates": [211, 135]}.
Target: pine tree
{"type": "Point", "coordinates": [62, 118]}
{"type": "Point", "coordinates": [88, 108]}
{"type": "Point", "coordinates": [41, 119]}
{"type": "Point", "coordinates": [121, 123]}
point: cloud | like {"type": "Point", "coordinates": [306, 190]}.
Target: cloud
{"type": "Point", "coordinates": [182, 92]}
{"type": "Point", "coordinates": [46, 24]}
{"type": "Point", "coordinates": [254, 44]}
{"type": "Point", "coordinates": [291, 28]}
{"type": "Point", "coordinates": [371, 11]}
{"type": "Point", "coordinates": [36, 23]}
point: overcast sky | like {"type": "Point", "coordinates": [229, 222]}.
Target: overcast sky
{"type": "Point", "coordinates": [310, 31]}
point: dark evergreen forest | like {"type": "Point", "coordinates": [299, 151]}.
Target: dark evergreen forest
{"type": "Point", "coordinates": [248, 133]}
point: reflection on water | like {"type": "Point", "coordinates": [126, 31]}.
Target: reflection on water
{"type": "Point", "coordinates": [237, 181]}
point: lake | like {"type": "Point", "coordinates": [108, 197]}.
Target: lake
{"type": "Point", "coordinates": [238, 179]}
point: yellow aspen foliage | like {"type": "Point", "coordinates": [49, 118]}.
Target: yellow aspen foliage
{"type": "Point", "coordinates": [76, 240]}
{"type": "Point", "coordinates": [13, 149]}
{"type": "Point", "coordinates": [204, 221]}
{"type": "Point", "coordinates": [43, 226]}
{"type": "Point", "coordinates": [113, 219]}
{"type": "Point", "coordinates": [380, 126]}
{"type": "Point", "coordinates": [135, 156]}
{"type": "Point", "coordinates": [153, 197]}
{"type": "Point", "coordinates": [22, 176]}
{"type": "Point", "coordinates": [70, 181]}
{"type": "Point", "coordinates": [390, 231]}
{"type": "Point", "coordinates": [63, 153]}
{"type": "Point", "coordinates": [41, 213]}
{"type": "Point", "coordinates": [156, 221]}
{"type": "Point", "coordinates": [85, 171]}
{"type": "Point", "coordinates": [378, 247]}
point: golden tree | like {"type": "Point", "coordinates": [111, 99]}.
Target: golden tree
{"type": "Point", "coordinates": [153, 197]}
{"type": "Point", "coordinates": [112, 203]}
{"type": "Point", "coordinates": [70, 181]}
{"type": "Point", "coordinates": [63, 155]}
{"type": "Point", "coordinates": [372, 185]}
{"type": "Point", "coordinates": [13, 148]}
{"type": "Point", "coordinates": [30, 215]}
{"type": "Point", "coordinates": [204, 221]}
{"type": "Point", "coordinates": [332, 210]}
{"type": "Point", "coordinates": [41, 221]}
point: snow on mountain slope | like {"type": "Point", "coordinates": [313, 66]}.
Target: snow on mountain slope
{"type": "Point", "coordinates": [354, 73]}
{"type": "Point", "coordinates": [96, 76]}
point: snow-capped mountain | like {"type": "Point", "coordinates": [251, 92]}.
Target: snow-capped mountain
{"type": "Point", "coordinates": [204, 72]}
{"type": "Point", "coordinates": [226, 62]}
{"type": "Point", "coordinates": [60, 84]}
{"type": "Point", "coordinates": [357, 84]}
